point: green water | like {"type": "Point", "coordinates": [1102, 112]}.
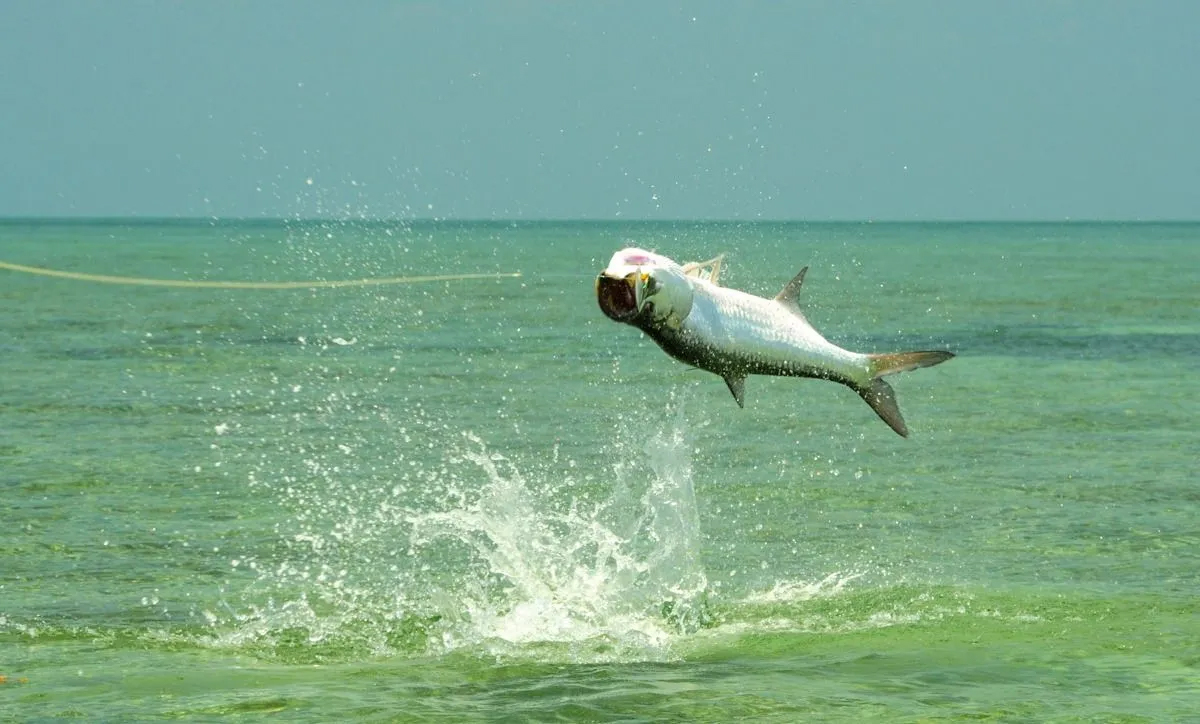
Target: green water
{"type": "Point", "coordinates": [484, 501]}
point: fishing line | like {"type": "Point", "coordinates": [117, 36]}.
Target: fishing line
{"type": "Point", "coordinates": [204, 284]}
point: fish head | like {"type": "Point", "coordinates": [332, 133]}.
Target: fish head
{"type": "Point", "coordinates": [644, 289]}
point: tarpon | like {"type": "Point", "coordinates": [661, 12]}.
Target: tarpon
{"type": "Point", "coordinates": [734, 334]}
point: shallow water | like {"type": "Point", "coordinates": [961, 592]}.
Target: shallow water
{"type": "Point", "coordinates": [482, 500]}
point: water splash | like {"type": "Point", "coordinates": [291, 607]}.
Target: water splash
{"type": "Point", "coordinates": [471, 550]}
{"type": "Point", "coordinates": [612, 573]}
{"type": "Point", "coordinates": [799, 591]}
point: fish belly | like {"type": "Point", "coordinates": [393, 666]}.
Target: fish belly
{"type": "Point", "coordinates": [730, 332]}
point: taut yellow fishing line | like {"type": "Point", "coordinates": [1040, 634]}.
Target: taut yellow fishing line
{"type": "Point", "coordinates": [205, 284]}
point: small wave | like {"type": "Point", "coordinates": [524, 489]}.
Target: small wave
{"type": "Point", "coordinates": [795, 591]}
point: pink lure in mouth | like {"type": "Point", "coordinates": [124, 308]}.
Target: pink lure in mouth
{"type": "Point", "coordinates": [616, 297]}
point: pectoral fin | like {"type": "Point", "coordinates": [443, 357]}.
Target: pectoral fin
{"type": "Point", "coordinates": [737, 385]}
{"type": "Point", "coordinates": [709, 270]}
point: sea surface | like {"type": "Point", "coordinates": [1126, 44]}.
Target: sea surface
{"type": "Point", "coordinates": [481, 500]}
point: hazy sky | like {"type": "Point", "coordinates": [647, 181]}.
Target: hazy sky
{"type": "Point", "coordinates": [642, 109]}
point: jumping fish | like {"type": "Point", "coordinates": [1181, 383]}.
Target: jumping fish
{"type": "Point", "coordinates": [734, 334]}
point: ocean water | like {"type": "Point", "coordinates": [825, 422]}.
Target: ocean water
{"type": "Point", "coordinates": [481, 500]}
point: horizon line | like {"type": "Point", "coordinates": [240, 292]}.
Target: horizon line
{"type": "Point", "coordinates": [9, 219]}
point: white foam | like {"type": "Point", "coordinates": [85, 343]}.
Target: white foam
{"type": "Point", "coordinates": [581, 574]}
{"type": "Point", "coordinates": [795, 591]}
{"type": "Point", "coordinates": [473, 551]}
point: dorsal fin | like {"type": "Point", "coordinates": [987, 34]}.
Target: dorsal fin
{"type": "Point", "coordinates": [791, 291]}
{"type": "Point", "coordinates": [709, 270]}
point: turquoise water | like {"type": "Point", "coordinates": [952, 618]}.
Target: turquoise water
{"type": "Point", "coordinates": [484, 501]}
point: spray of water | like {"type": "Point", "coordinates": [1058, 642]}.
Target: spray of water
{"type": "Point", "coordinates": [614, 574]}
{"type": "Point", "coordinates": [472, 550]}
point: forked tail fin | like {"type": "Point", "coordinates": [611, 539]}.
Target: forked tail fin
{"type": "Point", "coordinates": [890, 364]}
{"type": "Point", "coordinates": [880, 395]}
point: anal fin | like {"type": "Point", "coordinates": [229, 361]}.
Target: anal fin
{"type": "Point", "coordinates": [737, 385]}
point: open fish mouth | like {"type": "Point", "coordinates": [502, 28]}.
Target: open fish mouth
{"type": "Point", "coordinates": [617, 297]}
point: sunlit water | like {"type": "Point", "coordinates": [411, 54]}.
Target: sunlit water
{"type": "Point", "coordinates": [482, 500]}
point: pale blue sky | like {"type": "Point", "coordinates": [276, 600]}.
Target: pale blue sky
{"type": "Point", "coordinates": [528, 109]}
